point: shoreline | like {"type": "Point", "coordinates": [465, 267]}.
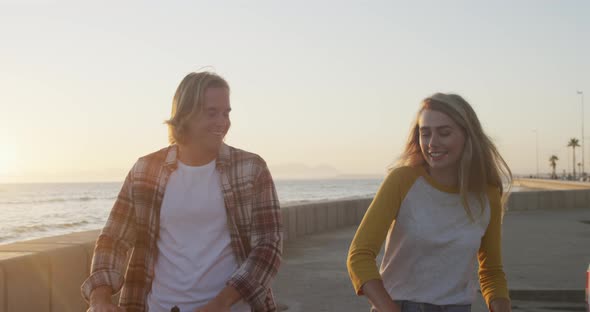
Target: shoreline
{"type": "Point", "coordinates": [520, 186]}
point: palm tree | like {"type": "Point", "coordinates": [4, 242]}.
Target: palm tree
{"type": "Point", "coordinates": [573, 143]}
{"type": "Point", "coordinates": [553, 163]}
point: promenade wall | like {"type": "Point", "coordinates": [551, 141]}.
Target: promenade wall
{"type": "Point", "coordinates": [546, 184]}
{"type": "Point", "coordinates": [44, 275]}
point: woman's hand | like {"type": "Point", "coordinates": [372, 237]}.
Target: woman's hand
{"type": "Point", "coordinates": [379, 297]}
{"type": "Point", "coordinates": [500, 305]}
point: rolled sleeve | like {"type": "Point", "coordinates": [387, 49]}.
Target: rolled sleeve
{"type": "Point", "coordinates": [112, 246]}
{"type": "Point", "coordinates": [252, 279]}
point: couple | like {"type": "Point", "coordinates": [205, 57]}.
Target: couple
{"type": "Point", "coordinates": [200, 220]}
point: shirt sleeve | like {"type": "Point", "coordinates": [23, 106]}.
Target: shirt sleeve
{"type": "Point", "coordinates": [253, 277]}
{"type": "Point", "coordinates": [115, 239]}
{"type": "Point", "coordinates": [491, 273]}
{"type": "Point", "coordinates": [371, 233]}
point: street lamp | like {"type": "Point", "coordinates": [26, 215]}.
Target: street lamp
{"type": "Point", "coordinates": [582, 94]}
{"type": "Point", "coordinates": [537, 149]}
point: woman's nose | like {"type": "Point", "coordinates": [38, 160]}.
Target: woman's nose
{"type": "Point", "coordinates": [433, 140]}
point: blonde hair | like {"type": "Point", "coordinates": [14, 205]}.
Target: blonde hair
{"type": "Point", "coordinates": [481, 164]}
{"type": "Point", "coordinates": [188, 102]}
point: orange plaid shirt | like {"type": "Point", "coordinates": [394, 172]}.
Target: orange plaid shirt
{"type": "Point", "coordinates": [254, 223]}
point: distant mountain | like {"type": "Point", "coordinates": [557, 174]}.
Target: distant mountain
{"type": "Point", "coordinates": [302, 171]}
{"type": "Point", "coordinates": [361, 176]}
{"type": "Point", "coordinates": [322, 171]}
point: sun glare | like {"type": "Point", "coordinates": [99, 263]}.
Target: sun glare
{"type": "Point", "coordinates": [8, 157]}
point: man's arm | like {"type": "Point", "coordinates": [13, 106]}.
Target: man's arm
{"type": "Point", "coordinates": [115, 239]}
{"type": "Point", "coordinates": [100, 300]}
{"type": "Point", "coordinates": [254, 276]}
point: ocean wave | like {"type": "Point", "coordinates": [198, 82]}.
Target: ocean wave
{"type": "Point", "coordinates": [316, 200]}
{"type": "Point", "coordinates": [57, 200]}
{"type": "Point", "coordinates": [7, 238]}
{"type": "Point", "coordinates": [47, 227]}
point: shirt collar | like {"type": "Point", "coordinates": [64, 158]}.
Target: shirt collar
{"type": "Point", "coordinates": [223, 157]}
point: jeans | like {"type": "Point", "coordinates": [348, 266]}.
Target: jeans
{"type": "Point", "coordinates": [409, 306]}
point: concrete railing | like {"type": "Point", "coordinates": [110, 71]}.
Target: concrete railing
{"type": "Point", "coordinates": [551, 184]}
{"type": "Point", "coordinates": [316, 217]}
{"type": "Point", "coordinates": [44, 275]}
{"type": "Point", "coordinates": [549, 200]}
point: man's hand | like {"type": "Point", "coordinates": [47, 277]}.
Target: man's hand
{"type": "Point", "coordinates": [214, 305]}
{"type": "Point", "coordinates": [223, 301]}
{"type": "Point", "coordinates": [500, 305]}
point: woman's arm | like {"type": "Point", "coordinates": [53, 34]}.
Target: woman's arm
{"type": "Point", "coordinates": [491, 273]}
{"type": "Point", "coordinates": [369, 237]}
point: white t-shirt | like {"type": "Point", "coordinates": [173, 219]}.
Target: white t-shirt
{"type": "Point", "coordinates": [431, 252]}
{"type": "Point", "coordinates": [195, 258]}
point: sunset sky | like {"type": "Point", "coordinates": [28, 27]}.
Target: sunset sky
{"type": "Point", "coordinates": [85, 86]}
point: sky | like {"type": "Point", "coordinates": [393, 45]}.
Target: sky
{"type": "Point", "coordinates": [316, 86]}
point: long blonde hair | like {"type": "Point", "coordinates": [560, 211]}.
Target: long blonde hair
{"type": "Point", "coordinates": [188, 102]}
{"type": "Point", "coordinates": [481, 164]}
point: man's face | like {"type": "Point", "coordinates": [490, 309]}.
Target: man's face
{"type": "Point", "coordinates": [208, 129]}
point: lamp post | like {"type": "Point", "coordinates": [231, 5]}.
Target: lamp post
{"type": "Point", "coordinates": [537, 149]}
{"type": "Point", "coordinates": [582, 102]}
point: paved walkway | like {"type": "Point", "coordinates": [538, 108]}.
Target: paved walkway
{"type": "Point", "coordinates": [543, 250]}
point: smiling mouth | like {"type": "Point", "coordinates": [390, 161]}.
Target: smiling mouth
{"type": "Point", "coordinates": [437, 155]}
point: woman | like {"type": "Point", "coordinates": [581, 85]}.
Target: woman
{"type": "Point", "coordinates": [438, 211]}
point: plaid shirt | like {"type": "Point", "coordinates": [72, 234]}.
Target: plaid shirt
{"type": "Point", "coordinates": [254, 223]}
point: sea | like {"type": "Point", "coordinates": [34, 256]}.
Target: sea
{"type": "Point", "coordinates": [29, 211]}
{"type": "Point", "coordinates": [36, 210]}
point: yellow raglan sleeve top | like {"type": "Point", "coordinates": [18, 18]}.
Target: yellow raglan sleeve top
{"type": "Point", "coordinates": [381, 217]}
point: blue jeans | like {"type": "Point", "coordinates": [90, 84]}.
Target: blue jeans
{"type": "Point", "coordinates": [410, 306]}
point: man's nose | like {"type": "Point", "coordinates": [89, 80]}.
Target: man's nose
{"type": "Point", "coordinates": [222, 121]}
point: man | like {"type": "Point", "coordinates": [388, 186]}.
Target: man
{"type": "Point", "coordinates": [201, 219]}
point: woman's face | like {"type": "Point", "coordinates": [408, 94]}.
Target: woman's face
{"type": "Point", "coordinates": [441, 140]}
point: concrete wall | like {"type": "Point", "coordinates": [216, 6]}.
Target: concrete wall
{"type": "Point", "coordinates": [549, 199]}
{"type": "Point", "coordinates": [316, 217]}
{"type": "Point", "coordinates": [547, 184]}
{"type": "Point", "coordinates": [45, 275]}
